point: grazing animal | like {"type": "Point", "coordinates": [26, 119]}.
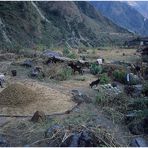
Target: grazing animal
{"type": "Point", "coordinates": [94, 83]}
{"type": "Point", "coordinates": [14, 73]}
{"type": "Point", "coordinates": [76, 68]}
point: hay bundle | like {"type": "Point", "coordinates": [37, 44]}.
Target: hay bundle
{"type": "Point", "coordinates": [17, 95]}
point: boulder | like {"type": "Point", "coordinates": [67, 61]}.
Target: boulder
{"type": "Point", "coordinates": [139, 142]}
{"type": "Point", "coordinates": [138, 128]}
{"type": "Point", "coordinates": [50, 54]}
{"type": "Point", "coordinates": [134, 79]}
{"type": "Point", "coordinates": [27, 63]}
{"type": "Point", "coordinates": [38, 116]}
{"type": "Point", "coordinates": [4, 142]}
{"type": "Point", "coordinates": [137, 90]}
{"type": "Point", "coordinates": [81, 139]}
{"type": "Point", "coordinates": [53, 129]}
{"type": "Point", "coordinates": [14, 73]}
{"type": "Point", "coordinates": [34, 73]}
{"type": "Point", "coordinates": [134, 90]}
{"type": "Point", "coordinates": [114, 84]}
{"type": "Point", "coordinates": [78, 97]}
{"type": "Point", "coordinates": [130, 117]}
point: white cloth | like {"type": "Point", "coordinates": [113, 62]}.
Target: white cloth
{"type": "Point", "coordinates": [2, 77]}
{"type": "Point", "coordinates": [99, 61]}
{"type": "Point", "coordinates": [128, 77]}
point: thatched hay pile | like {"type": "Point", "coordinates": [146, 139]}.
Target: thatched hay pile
{"type": "Point", "coordinates": [17, 95]}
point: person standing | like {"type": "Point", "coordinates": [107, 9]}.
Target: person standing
{"type": "Point", "coordinates": [2, 79]}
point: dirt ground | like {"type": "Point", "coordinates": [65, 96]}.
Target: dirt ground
{"type": "Point", "coordinates": [49, 100]}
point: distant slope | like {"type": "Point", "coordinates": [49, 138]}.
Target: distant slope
{"type": "Point", "coordinates": [56, 24]}
{"type": "Point", "coordinates": [141, 6]}
{"type": "Point", "coordinates": [124, 15]}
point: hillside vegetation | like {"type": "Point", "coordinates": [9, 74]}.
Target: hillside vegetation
{"type": "Point", "coordinates": [56, 24]}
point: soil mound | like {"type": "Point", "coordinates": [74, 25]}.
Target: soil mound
{"type": "Point", "coordinates": [16, 95]}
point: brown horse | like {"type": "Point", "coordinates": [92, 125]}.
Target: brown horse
{"type": "Point", "coordinates": [76, 68]}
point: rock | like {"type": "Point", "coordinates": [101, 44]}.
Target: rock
{"type": "Point", "coordinates": [130, 117]}
{"type": "Point", "coordinates": [82, 139]}
{"type": "Point", "coordinates": [134, 79]}
{"type": "Point", "coordinates": [14, 73]}
{"type": "Point", "coordinates": [78, 97]}
{"type": "Point", "coordinates": [38, 116]}
{"type": "Point", "coordinates": [50, 54]}
{"type": "Point", "coordinates": [86, 140]}
{"type": "Point", "coordinates": [137, 128]}
{"type": "Point", "coordinates": [123, 54]}
{"type": "Point", "coordinates": [34, 73]}
{"type": "Point", "coordinates": [137, 90]}
{"type": "Point", "coordinates": [134, 90]}
{"type": "Point", "coordinates": [53, 129]}
{"type": "Point", "coordinates": [145, 125]}
{"type": "Point", "coordinates": [72, 141]}
{"type": "Point", "coordinates": [4, 142]}
{"type": "Point", "coordinates": [27, 63]}
{"type": "Point", "coordinates": [114, 84]}
{"type": "Point", "coordinates": [76, 92]}
{"type": "Point", "coordinates": [110, 89]}
{"type": "Point", "coordinates": [139, 142]}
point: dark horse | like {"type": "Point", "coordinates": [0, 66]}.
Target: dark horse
{"type": "Point", "coordinates": [76, 68]}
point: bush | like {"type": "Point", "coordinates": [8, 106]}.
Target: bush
{"type": "Point", "coordinates": [145, 89]}
{"type": "Point", "coordinates": [119, 76]}
{"type": "Point", "coordinates": [64, 74]}
{"type": "Point", "coordinates": [100, 98]}
{"type": "Point", "coordinates": [104, 79]}
{"type": "Point", "coordinates": [72, 55]}
{"type": "Point", "coordinates": [66, 51]}
{"type": "Point", "coordinates": [69, 54]}
{"type": "Point", "coordinates": [95, 68]}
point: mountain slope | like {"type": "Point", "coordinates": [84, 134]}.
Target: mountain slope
{"type": "Point", "coordinates": [124, 15]}
{"type": "Point", "coordinates": [141, 6]}
{"type": "Point", "coordinates": [74, 24]}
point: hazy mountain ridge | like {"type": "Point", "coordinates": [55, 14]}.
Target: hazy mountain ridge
{"type": "Point", "coordinates": [141, 6]}
{"type": "Point", "coordinates": [124, 15]}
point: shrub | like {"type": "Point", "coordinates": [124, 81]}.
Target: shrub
{"type": "Point", "coordinates": [72, 55]}
{"type": "Point", "coordinates": [100, 98]}
{"type": "Point", "coordinates": [64, 74]}
{"type": "Point", "coordinates": [119, 76]}
{"type": "Point", "coordinates": [104, 79]}
{"type": "Point", "coordinates": [69, 54]}
{"type": "Point", "coordinates": [95, 68]}
{"type": "Point", "coordinates": [66, 51]}
{"type": "Point", "coordinates": [145, 89]}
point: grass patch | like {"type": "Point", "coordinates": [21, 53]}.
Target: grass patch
{"type": "Point", "coordinates": [69, 54]}
{"type": "Point", "coordinates": [104, 79]}
{"type": "Point", "coordinates": [95, 68]}
{"type": "Point", "coordinates": [64, 74]}
{"type": "Point", "coordinates": [119, 76]}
